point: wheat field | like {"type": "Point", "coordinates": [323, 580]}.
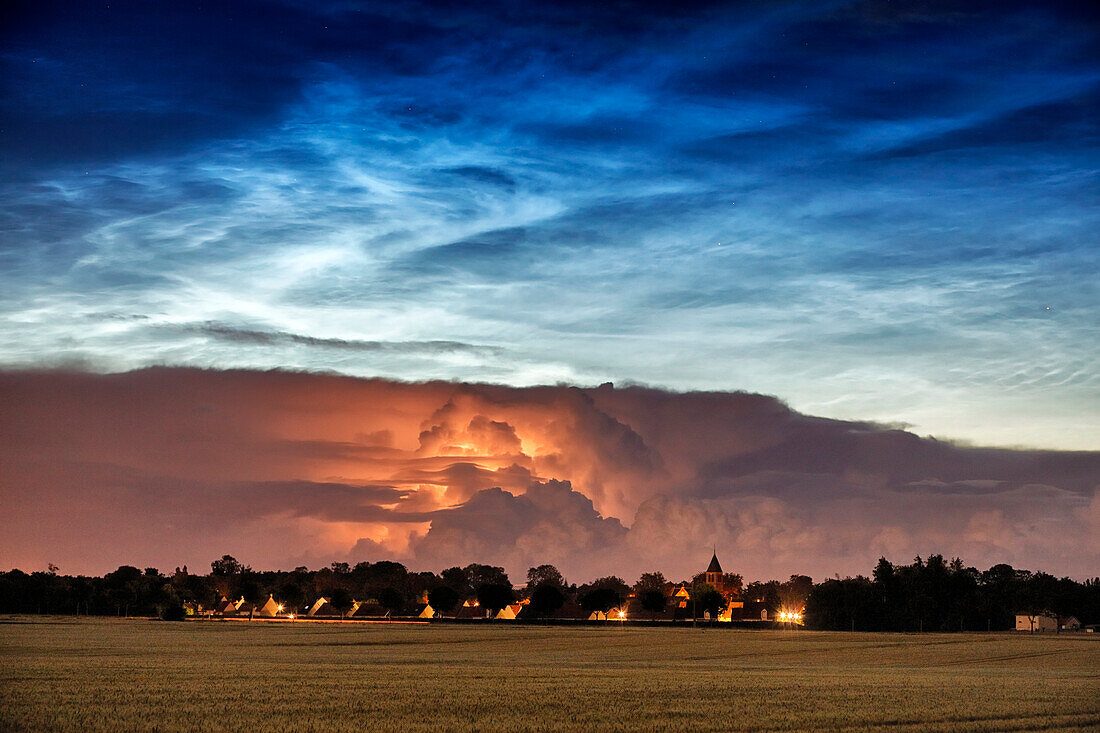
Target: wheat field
{"type": "Point", "coordinates": [112, 674]}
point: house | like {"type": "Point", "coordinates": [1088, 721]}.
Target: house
{"type": "Point", "coordinates": [509, 612]}
{"type": "Point", "coordinates": [682, 593]}
{"type": "Point", "coordinates": [225, 606]}
{"type": "Point", "coordinates": [734, 611]}
{"type": "Point", "coordinates": [744, 611]}
{"type": "Point", "coordinates": [269, 608]}
{"type": "Point", "coordinates": [368, 609]}
{"type": "Point", "coordinates": [1069, 623]}
{"type": "Point", "coordinates": [612, 614]}
{"type": "Point", "coordinates": [1036, 622]}
{"type": "Point", "coordinates": [471, 609]}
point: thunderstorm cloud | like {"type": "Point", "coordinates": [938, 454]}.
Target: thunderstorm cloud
{"type": "Point", "coordinates": [169, 466]}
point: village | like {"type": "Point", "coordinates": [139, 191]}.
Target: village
{"type": "Point", "coordinates": [927, 595]}
{"type": "Point", "coordinates": [712, 596]}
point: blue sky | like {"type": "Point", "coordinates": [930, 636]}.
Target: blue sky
{"type": "Point", "coordinates": [882, 211]}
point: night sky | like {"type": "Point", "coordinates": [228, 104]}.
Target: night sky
{"type": "Point", "coordinates": [884, 213]}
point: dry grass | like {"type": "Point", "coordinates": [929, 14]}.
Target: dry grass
{"type": "Point", "coordinates": [91, 674]}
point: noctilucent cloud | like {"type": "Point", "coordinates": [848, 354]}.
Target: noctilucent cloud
{"type": "Point", "coordinates": [882, 211]}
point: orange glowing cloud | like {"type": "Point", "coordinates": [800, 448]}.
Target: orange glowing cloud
{"type": "Point", "coordinates": [172, 466]}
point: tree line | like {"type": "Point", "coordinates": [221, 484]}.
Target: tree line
{"type": "Point", "coordinates": [934, 595]}
{"type": "Point", "coordinates": [926, 595]}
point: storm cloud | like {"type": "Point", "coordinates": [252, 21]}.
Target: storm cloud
{"type": "Point", "coordinates": [170, 466]}
{"type": "Point", "coordinates": [876, 210]}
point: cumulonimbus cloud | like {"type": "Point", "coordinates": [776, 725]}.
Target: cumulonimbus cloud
{"type": "Point", "coordinates": [171, 466]}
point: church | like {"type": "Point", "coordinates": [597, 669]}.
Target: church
{"type": "Point", "coordinates": [716, 577]}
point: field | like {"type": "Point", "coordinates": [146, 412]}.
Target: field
{"type": "Point", "coordinates": [111, 674]}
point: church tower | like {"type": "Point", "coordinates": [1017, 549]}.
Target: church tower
{"type": "Point", "coordinates": [714, 571]}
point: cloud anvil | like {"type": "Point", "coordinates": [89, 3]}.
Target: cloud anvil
{"type": "Point", "coordinates": [165, 466]}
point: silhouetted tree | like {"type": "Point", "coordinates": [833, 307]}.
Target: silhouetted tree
{"type": "Point", "coordinates": [479, 575]}
{"type": "Point", "coordinates": [443, 598]}
{"type": "Point", "coordinates": [708, 600]}
{"type": "Point", "coordinates": [546, 598]}
{"type": "Point", "coordinates": [650, 581]}
{"type": "Point", "coordinates": [292, 595]}
{"type": "Point", "coordinates": [653, 601]}
{"type": "Point", "coordinates": [458, 579]}
{"type": "Point", "coordinates": [495, 596]}
{"type": "Point", "coordinates": [340, 600]}
{"type": "Point", "coordinates": [226, 566]}
{"type": "Point", "coordinates": [600, 599]}
{"type": "Point", "coordinates": [391, 599]}
{"type": "Point", "coordinates": [544, 575]}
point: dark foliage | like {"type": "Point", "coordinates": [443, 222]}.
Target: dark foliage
{"type": "Point", "coordinates": [546, 598]}
{"type": "Point", "coordinates": [932, 595]}
{"type": "Point", "coordinates": [173, 613]}
{"type": "Point", "coordinates": [600, 599]}
{"type": "Point", "coordinates": [495, 596]}
{"type": "Point", "coordinates": [710, 601]}
{"type": "Point", "coordinates": [653, 601]}
{"type": "Point", "coordinates": [443, 599]}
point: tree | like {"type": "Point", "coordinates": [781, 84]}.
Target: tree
{"type": "Point", "coordinates": [292, 595]}
{"type": "Point", "coordinates": [443, 598]}
{"type": "Point", "coordinates": [546, 599]}
{"type": "Point", "coordinates": [495, 596]}
{"type": "Point", "coordinates": [123, 588]}
{"type": "Point", "coordinates": [544, 575]}
{"type": "Point", "coordinates": [249, 588]}
{"type": "Point", "coordinates": [793, 593]}
{"type": "Point", "coordinates": [226, 566]}
{"type": "Point", "coordinates": [173, 612]}
{"type": "Point", "coordinates": [650, 581]}
{"type": "Point", "coordinates": [600, 599]}
{"type": "Point", "coordinates": [391, 599]}
{"type": "Point", "coordinates": [733, 582]}
{"type": "Point", "coordinates": [766, 593]}
{"type": "Point", "coordinates": [653, 601]}
{"type": "Point", "coordinates": [708, 600]}
{"type": "Point", "coordinates": [459, 580]}
{"type": "Point", "coordinates": [479, 575]}
{"type": "Point", "coordinates": [340, 600]}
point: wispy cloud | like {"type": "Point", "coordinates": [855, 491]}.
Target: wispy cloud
{"type": "Point", "coordinates": [871, 213]}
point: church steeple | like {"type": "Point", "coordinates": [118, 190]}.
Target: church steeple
{"type": "Point", "coordinates": [714, 570]}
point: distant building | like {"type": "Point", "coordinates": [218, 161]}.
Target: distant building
{"type": "Point", "coordinates": [269, 608]}
{"type": "Point", "coordinates": [1036, 622]}
{"type": "Point", "coordinates": [225, 606]}
{"type": "Point", "coordinates": [714, 571]}
{"type": "Point", "coordinates": [471, 609]}
{"type": "Point", "coordinates": [368, 609]}
{"type": "Point", "coordinates": [727, 585]}
{"type": "Point", "coordinates": [509, 612]}
{"type": "Point", "coordinates": [612, 614]}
